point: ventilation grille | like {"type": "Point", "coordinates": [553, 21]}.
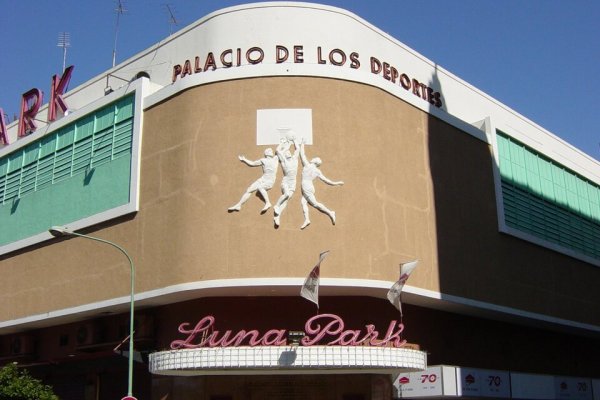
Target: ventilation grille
{"type": "Point", "coordinates": [96, 139]}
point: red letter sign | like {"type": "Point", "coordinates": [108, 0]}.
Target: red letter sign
{"type": "Point", "coordinates": [57, 89]}
{"type": "Point", "coordinates": [3, 132]}
{"type": "Point", "coordinates": [30, 104]}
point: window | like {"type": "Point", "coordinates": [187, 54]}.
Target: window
{"type": "Point", "coordinates": [76, 148]}
{"type": "Point", "coordinates": [547, 200]}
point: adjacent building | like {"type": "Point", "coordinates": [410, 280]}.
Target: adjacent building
{"type": "Point", "coordinates": [227, 159]}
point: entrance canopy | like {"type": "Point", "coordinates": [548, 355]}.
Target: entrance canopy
{"type": "Point", "coordinates": [246, 360]}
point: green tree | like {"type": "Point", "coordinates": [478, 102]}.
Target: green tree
{"type": "Point", "coordinates": [17, 384]}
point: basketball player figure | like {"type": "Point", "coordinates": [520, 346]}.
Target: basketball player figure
{"type": "Point", "coordinates": [269, 164]}
{"type": "Point", "coordinates": [289, 166]}
{"type": "Point", "coordinates": [310, 172]}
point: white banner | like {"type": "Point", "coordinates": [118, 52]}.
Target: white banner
{"type": "Point", "coordinates": [474, 382]}
{"type": "Point", "coordinates": [433, 382]}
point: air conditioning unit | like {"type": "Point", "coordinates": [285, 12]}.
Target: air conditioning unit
{"type": "Point", "coordinates": [22, 345]}
{"type": "Point", "coordinates": [89, 333]}
{"type": "Point", "coordinates": [144, 326]}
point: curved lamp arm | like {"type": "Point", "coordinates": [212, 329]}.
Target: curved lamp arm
{"type": "Point", "coordinates": [59, 231]}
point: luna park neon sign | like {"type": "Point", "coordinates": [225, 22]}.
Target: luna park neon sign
{"type": "Point", "coordinates": [322, 329]}
{"type": "Point", "coordinates": [30, 105]}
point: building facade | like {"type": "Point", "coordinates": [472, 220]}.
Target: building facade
{"type": "Point", "coordinates": [228, 157]}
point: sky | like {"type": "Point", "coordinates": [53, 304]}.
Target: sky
{"type": "Point", "coordinates": [539, 57]}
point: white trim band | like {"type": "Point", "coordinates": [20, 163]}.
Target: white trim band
{"type": "Point", "coordinates": [274, 287]}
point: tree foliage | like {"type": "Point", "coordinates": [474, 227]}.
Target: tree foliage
{"type": "Point", "coordinates": [17, 384]}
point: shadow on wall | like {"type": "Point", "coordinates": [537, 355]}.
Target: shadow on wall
{"type": "Point", "coordinates": [476, 261]}
{"type": "Point", "coordinates": [470, 254]}
{"type": "Point", "coordinates": [465, 209]}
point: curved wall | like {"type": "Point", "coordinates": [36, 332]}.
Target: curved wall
{"type": "Point", "coordinates": [371, 141]}
{"type": "Point", "coordinates": [418, 180]}
{"type": "Point", "coordinates": [415, 187]}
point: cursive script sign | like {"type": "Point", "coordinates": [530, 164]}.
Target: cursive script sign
{"type": "Point", "coordinates": [322, 329]}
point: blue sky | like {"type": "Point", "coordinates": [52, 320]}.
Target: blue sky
{"type": "Point", "coordinates": [539, 57]}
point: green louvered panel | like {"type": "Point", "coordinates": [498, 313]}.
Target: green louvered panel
{"type": "Point", "coordinates": [550, 180]}
{"type": "Point", "coordinates": [103, 145]}
{"type": "Point", "coordinates": [11, 191]}
{"type": "Point", "coordinates": [77, 171]}
{"type": "Point", "coordinates": [28, 176]}
{"type": "Point", "coordinates": [532, 214]}
{"type": "Point", "coordinates": [124, 110]}
{"type": "Point", "coordinates": [82, 155]}
{"type": "Point", "coordinates": [105, 119]}
{"type": "Point", "coordinates": [65, 137]}
{"type": "Point", "coordinates": [545, 199]}
{"type": "Point", "coordinates": [95, 139]}
{"type": "Point", "coordinates": [3, 170]}
{"type": "Point", "coordinates": [44, 171]}
{"type": "Point", "coordinates": [62, 164]}
{"type": "Point", "coordinates": [535, 173]}
{"type": "Point", "coordinates": [122, 138]}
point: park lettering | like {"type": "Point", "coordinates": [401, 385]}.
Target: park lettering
{"type": "Point", "coordinates": [30, 105]}
{"type": "Point", "coordinates": [322, 329]}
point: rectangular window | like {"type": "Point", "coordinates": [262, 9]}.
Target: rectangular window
{"type": "Point", "coordinates": [94, 139]}
{"type": "Point", "coordinates": [79, 170]}
{"type": "Point", "coordinates": [544, 199]}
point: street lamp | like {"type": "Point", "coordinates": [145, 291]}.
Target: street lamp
{"type": "Point", "coordinates": [58, 231]}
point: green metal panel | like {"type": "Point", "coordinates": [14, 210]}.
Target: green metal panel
{"type": "Point", "coordinates": [584, 201]}
{"type": "Point", "coordinates": [3, 166]}
{"type": "Point", "coordinates": [65, 137]}
{"type": "Point", "coordinates": [547, 187]}
{"type": "Point", "coordinates": [15, 161]}
{"type": "Point", "coordinates": [572, 197]}
{"type": "Point", "coordinates": [62, 164]}
{"type": "Point", "coordinates": [28, 175]}
{"type": "Point", "coordinates": [30, 154]}
{"type": "Point", "coordinates": [553, 204]}
{"type": "Point", "coordinates": [549, 222]}
{"type": "Point", "coordinates": [66, 201]}
{"type": "Point", "coordinates": [44, 174]}
{"type": "Point", "coordinates": [105, 119]}
{"type": "Point", "coordinates": [560, 192]}
{"type": "Point", "coordinates": [103, 142]}
{"type": "Point", "coordinates": [11, 190]}
{"type": "Point", "coordinates": [82, 155]}
{"type": "Point", "coordinates": [78, 171]}
{"type": "Point", "coordinates": [124, 110]}
{"type": "Point", "coordinates": [85, 126]}
{"type": "Point", "coordinates": [594, 196]}
{"type": "Point", "coordinates": [47, 146]}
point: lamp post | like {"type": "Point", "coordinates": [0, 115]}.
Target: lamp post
{"type": "Point", "coordinates": [58, 231]}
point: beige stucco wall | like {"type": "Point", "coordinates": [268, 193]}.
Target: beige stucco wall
{"type": "Point", "coordinates": [414, 188]}
{"type": "Point", "coordinates": [191, 175]}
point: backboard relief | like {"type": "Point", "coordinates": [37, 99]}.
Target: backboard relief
{"type": "Point", "coordinates": [291, 131]}
{"type": "Point", "coordinates": [272, 125]}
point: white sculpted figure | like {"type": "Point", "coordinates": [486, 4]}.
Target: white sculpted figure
{"type": "Point", "coordinates": [269, 165]}
{"type": "Point", "coordinates": [310, 172]}
{"type": "Point", "coordinates": [289, 166]}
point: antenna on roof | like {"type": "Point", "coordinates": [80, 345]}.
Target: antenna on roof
{"type": "Point", "coordinates": [64, 41]}
{"type": "Point", "coordinates": [120, 10]}
{"type": "Point", "coordinates": [172, 19]}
